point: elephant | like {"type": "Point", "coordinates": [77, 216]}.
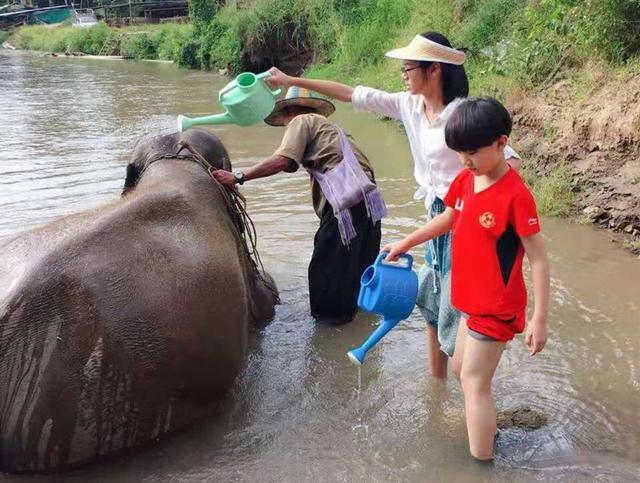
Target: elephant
{"type": "Point", "coordinates": [126, 323]}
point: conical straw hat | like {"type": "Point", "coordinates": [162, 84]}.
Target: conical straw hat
{"type": "Point", "coordinates": [421, 49]}
{"type": "Point", "coordinates": [298, 96]}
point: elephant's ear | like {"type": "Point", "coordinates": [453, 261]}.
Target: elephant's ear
{"type": "Point", "coordinates": [131, 180]}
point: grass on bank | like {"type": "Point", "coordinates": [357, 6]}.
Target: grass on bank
{"type": "Point", "coordinates": [554, 193]}
{"type": "Point", "coordinates": [163, 41]}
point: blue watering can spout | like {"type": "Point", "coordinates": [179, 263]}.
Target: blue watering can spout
{"type": "Point", "coordinates": [389, 289]}
{"type": "Point", "coordinates": [357, 355]}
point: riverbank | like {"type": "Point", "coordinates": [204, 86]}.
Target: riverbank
{"type": "Point", "coordinates": [570, 74]}
{"type": "Point", "coordinates": [591, 125]}
{"type": "Point", "coordinates": [144, 42]}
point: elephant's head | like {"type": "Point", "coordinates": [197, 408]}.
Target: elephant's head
{"type": "Point", "coordinates": [151, 148]}
{"type": "Point", "coordinates": [262, 288]}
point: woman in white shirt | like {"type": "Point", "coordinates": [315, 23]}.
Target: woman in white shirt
{"type": "Point", "coordinates": [435, 83]}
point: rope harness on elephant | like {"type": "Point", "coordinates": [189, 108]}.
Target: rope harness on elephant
{"type": "Point", "coordinates": [236, 204]}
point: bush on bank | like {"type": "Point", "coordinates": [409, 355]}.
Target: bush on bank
{"type": "Point", "coordinates": [165, 41]}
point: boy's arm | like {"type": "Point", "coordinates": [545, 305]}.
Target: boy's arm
{"type": "Point", "coordinates": [435, 227]}
{"type": "Point", "coordinates": [536, 336]}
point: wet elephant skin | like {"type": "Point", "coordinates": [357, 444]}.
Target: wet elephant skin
{"type": "Point", "coordinates": [126, 323]}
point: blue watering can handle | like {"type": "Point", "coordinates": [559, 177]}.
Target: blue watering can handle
{"type": "Point", "coordinates": [264, 75]}
{"type": "Point", "coordinates": [382, 255]}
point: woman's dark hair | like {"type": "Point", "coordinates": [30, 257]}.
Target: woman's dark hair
{"type": "Point", "coordinates": [475, 123]}
{"type": "Point", "coordinates": [454, 78]}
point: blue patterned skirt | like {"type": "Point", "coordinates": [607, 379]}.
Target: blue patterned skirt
{"type": "Point", "coordinates": [434, 292]}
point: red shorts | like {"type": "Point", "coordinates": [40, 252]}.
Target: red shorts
{"type": "Point", "coordinates": [502, 327]}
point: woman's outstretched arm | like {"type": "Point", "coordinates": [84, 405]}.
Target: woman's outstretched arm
{"type": "Point", "coordinates": [339, 91]}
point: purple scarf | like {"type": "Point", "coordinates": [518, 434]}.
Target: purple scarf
{"type": "Point", "coordinates": [346, 185]}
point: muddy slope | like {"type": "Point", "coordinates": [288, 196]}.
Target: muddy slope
{"type": "Point", "coordinates": [599, 137]}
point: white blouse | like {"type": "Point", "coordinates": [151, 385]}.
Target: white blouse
{"type": "Point", "coordinates": [435, 164]}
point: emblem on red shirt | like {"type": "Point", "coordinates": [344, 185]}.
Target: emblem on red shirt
{"type": "Point", "coordinates": [487, 220]}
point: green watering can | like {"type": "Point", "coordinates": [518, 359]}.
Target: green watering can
{"type": "Point", "coordinates": [247, 99]}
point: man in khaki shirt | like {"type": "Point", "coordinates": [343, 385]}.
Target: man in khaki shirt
{"type": "Point", "coordinates": [312, 141]}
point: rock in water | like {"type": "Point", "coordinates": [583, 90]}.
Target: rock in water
{"type": "Point", "coordinates": [525, 418]}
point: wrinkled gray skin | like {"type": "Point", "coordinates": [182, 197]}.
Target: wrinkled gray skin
{"type": "Point", "coordinates": [128, 322]}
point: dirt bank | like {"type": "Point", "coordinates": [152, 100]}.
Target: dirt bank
{"type": "Point", "coordinates": [596, 130]}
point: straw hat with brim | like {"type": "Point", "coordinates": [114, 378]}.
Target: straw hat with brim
{"type": "Point", "coordinates": [297, 96]}
{"type": "Point", "coordinates": [421, 49]}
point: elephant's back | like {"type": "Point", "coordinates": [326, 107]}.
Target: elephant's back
{"type": "Point", "coordinates": [125, 328]}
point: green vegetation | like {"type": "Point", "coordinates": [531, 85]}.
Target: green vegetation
{"type": "Point", "coordinates": [159, 42]}
{"type": "Point", "coordinates": [554, 193]}
{"type": "Point", "coordinates": [513, 44]}
{"type": "Point", "coordinates": [633, 245]}
{"type": "Point", "coordinates": [4, 35]}
{"type": "Point", "coordinates": [164, 41]}
{"type": "Point", "coordinates": [62, 39]}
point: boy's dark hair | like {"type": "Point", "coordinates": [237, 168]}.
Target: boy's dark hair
{"type": "Point", "coordinates": [454, 78]}
{"type": "Point", "coordinates": [475, 123]}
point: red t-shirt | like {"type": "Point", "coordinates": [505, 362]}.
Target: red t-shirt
{"type": "Point", "coordinates": [486, 263]}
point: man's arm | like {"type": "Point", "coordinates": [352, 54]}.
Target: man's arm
{"type": "Point", "coordinates": [536, 337]}
{"type": "Point", "coordinates": [270, 166]}
{"type": "Point", "coordinates": [435, 227]}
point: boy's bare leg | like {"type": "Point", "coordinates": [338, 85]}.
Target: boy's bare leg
{"type": "Point", "coordinates": [438, 360]}
{"type": "Point", "coordinates": [478, 367]}
{"type": "Point", "coordinates": [458, 352]}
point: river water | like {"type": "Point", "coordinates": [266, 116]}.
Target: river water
{"type": "Point", "coordinates": [295, 413]}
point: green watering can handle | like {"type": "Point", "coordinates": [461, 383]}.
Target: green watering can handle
{"type": "Point", "coordinates": [226, 89]}
{"type": "Point", "coordinates": [231, 85]}
{"type": "Point", "coordinates": [266, 74]}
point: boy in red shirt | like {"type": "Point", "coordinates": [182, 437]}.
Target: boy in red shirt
{"type": "Point", "coordinates": [494, 221]}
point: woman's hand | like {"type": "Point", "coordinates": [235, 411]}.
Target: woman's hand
{"type": "Point", "coordinates": [278, 79]}
{"type": "Point", "coordinates": [225, 178]}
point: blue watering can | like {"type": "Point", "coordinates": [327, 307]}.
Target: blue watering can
{"type": "Point", "coordinates": [389, 289]}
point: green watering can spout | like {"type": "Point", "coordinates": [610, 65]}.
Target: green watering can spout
{"type": "Point", "coordinates": [247, 99]}
{"type": "Point", "coordinates": [185, 122]}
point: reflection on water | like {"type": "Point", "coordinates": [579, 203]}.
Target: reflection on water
{"type": "Point", "coordinates": [299, 412]}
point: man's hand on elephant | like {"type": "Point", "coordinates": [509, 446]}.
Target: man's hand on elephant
{"type": "Point", "coordinates": [278, 79]}
{"type": "Point", "coordinates": [225, 178]}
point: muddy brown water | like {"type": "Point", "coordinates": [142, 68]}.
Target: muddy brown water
{"type": "Point", "coordinates": [295, 414]}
